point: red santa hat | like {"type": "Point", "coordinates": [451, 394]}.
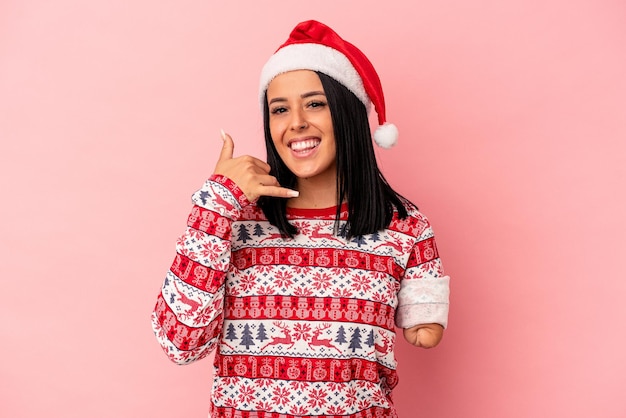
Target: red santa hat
{"type": "Point", "coordinates": [314, 46]}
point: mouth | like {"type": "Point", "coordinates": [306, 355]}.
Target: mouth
{"type": "Point", "coordinates": [304, 145]}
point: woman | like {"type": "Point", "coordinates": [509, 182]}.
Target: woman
{"type": "Point", "coordinates": [298, 268]}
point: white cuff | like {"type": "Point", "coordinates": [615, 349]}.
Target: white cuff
{"type": "Point", "coordinates": [423, 301]}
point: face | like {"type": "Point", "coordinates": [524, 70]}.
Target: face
{"type": "Point", "coordinates": [301, 125]}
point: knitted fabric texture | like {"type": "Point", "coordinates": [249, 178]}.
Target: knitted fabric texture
{"type": "Point", "coordinates": [303, 326]}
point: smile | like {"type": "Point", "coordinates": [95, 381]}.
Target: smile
{"type": "Point", "coordinates": [304, 145]}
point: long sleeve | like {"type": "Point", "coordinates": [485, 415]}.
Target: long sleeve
{"type": "Point", "coordinates": [188, 316]}
{"type": "Point", "coordinates": [425, 289]}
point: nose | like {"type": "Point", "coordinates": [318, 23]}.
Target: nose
{"type": "Point", "coordinates": [298, 121]}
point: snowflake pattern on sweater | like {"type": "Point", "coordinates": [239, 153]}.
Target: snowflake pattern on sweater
{"type": "Point", "coordinates": [302, 326]}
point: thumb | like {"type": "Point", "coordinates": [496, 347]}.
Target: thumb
{"type": "Point", "coordinates": [227, 149]}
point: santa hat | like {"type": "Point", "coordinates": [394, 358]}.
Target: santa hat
{"type": "Point", "coordinates": [314, 46]}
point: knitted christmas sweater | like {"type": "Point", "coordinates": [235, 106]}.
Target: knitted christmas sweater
{"type": "Point", "coordinates": [303, 327]}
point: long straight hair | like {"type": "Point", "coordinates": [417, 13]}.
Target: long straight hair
{"type": "Point", "coordinates": [371, 200]}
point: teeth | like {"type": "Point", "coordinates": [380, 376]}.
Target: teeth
{"type": "Point", "coordinates": [302, 145]}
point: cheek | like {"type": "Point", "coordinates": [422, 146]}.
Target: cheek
{"type": "Point", "coordinates": [276, 131]}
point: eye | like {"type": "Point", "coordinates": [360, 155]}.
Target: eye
{"type": "Point", "coordinates": [277, 110]}
{"type": "Point", "coordinates": [317, 103]}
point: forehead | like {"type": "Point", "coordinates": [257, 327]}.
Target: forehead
{"type": "Point", "coordinates": [294, 83]}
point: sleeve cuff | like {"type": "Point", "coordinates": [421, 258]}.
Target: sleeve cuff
{"type": "Point", "coordinates": [423, 301]}
{"type": "Point", "coordinates": [232, 187]}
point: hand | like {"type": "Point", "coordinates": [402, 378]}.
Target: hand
{"type": "Point", "coordinates": [424, 336]}
{"type": "Point", "coordinates": [249, 173]}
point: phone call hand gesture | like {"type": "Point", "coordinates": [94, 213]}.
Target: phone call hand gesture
{"type": "Point", "coordinates": [249, 173]}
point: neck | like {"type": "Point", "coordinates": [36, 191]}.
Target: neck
{"type": "Point", "coordinates": [314, 194]}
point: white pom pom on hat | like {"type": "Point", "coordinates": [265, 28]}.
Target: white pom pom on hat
{"type": "Point", "coordinates": [314, 46]}
{"type": "Point", "coordinates": [386, 135]}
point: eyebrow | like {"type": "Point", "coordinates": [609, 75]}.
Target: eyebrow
{"type": "Point", "coordinates": [302, 96]}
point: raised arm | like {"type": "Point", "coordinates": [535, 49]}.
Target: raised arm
{"type": "Point", "coordinates": [187, 318]}
{"type": "Point", "coordinates": [188, 315]}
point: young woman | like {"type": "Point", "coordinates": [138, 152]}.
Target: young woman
{"type": "Point", "coordinates": [298, 268]}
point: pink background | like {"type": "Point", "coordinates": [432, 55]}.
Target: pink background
{"type": "Point", "coordinates": [512, 118]}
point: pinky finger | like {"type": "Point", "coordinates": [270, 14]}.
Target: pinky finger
{"type": "Point", "coordinates": [279, 192]}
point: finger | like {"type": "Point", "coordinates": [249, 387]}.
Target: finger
{"type": "Point", "coordinates": [263, 165]}
{"type": "Point", "coordinates": [255, 162]}
{"type": "Point", "coordinates": [276, 191]}
{"type": "Point", "coordinates": [267, 180]}
{"type": "Point", "coordinates": [227, 148]}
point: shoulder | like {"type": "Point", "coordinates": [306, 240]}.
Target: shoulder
{"type": "Point", "coordinates": [415, 223]}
